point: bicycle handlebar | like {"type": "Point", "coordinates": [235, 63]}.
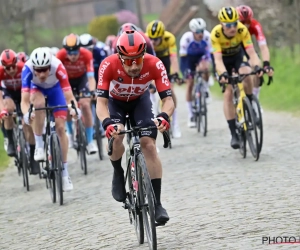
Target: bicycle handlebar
{"type": "Point", "coordinates": [138, 130]}
{"type": "Point", "coordinates": [175, 77]}
{"type": "Point", "coordinates": [71, 105]}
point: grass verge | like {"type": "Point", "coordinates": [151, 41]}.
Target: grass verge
{"type": "Point", "coordinates": [4, 163]}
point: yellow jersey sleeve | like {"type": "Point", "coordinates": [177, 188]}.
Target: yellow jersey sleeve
{"type": "Point", "coordinates": [215, 39]}
{"type": "Point", "coordinates": [245, 35]}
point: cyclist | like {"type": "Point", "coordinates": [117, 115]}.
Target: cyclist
{"type": "Point", "coordinates": [45, 75]}
{"type": "Point", "coordinates": [227, 39]}
{"type": "Point", "coordinates": [79, 66]}
{"type": "Point", "coordinates": [54, 50]}
{"type": "Point", "coordinates": [22, 56]}
{"type": "Point", "coordinates": [195, 48]}
{"type": "Point", "coordinates": [255, 28]}
{"type": "Point", "coordinates": [165, 48]}
{"type": "Point", "coordinates": [102, 45]}
{"type": "Point", "coordinates": [109, 41]}
{"type": "Point", "coordinates": [125, 92]}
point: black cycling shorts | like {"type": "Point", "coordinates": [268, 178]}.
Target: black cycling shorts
{"type": "Point", "coordinates": [166, 60]}
{"type": "Point", "coordinates": [79, 86]}
{"type": "Point", "coordinates": [14, 95]}
{"type": "Point", "coordinates": [235, 62]}
{"type": "Point", "coordinates": [139, 110]}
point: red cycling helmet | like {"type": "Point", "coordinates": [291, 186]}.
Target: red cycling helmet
{"type": "Point", "coordinates": [22, 57]}
{"type": "Point", "coordinates": [8, 57]}
{"type": "Point", "coordinates": [127, 26]}
{"type": "Point", "coordinates": [131, 43]}
{"type": "Point", "coordinates": [245, 13]}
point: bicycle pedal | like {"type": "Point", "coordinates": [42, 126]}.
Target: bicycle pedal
{"type": "Point", "coordinates": [160, 224]}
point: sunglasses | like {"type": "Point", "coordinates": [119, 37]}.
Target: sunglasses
{"type": "Point", "coordinates": [9, 67]}
{"type": "Point", "coordinates": [230, 25]}
{"type": "Point", "coordinates": [199, 31]}
{"type": "Point", "coordinates": [155, 39]}
{"type": "Point", "coordinates": [40, 70]}
{"type": "Point", "coordinates": [130, 62]}
{"type": "Point", "coordinates": [73, 52]}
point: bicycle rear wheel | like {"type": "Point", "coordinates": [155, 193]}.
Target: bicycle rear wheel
{"type": "Point", "coordinates": [146, 196]}
{"type": "Point", "coordinates": [99, 138]}
{"type": "Point", "coordinates": [134, 210]}
{"type": "Point", "coordinates": [82, 143]}
{"type": "Point", "coordinates": [24, 160]}
{"type": "Point", "coordinates": [57, 165]}
{"type": "Point", "coordinates": [259, 121]}
{"type": "Point", "coordinates": [251, 131]}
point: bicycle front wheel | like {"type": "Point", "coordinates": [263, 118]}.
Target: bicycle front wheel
{"type": "Point", "coordinates": [57, 165]}
{"type": "Point", "coordinates": [82, 143]}
{"type": "Point", "coordinates": [203, 112]}
{"type": "Point", "coordinates": [146, 196]}
{"type": "Point", "coordinates": [24, 159]}
{"type": "Point", "coordinates": [259, 121]}
{"type": "Point", "coordinates": [99, 138]}
{"type": "Point", "coordinates": [251, 130]}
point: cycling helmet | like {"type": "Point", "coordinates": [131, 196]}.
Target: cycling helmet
{"type": "Point", "coordinates": [245, 13]}
{"type": "Point", "coordinates": [197, 24]}
{"type": "Point", "coordinates": [22, 56]}
{"type": "Point", "coordinates": [71, 42]}
{"type": "Point", "coordinates": [8, 57]}
{"type": "Point", "coordinates": [228, 15]}
{"type": "Point", "coordinates": [109, 40]}
{"type": "Point", "coordinates": [127, 26]}
{"type": "Point", "coordinates": [155, 29]}
{"type": "Point", "coordinates": [54, 50]}
{"type": "Point", "coordinates": [131, 43]}
{"type": "Point", "coordinates": [86, 40]}
{"type": "Point", "coordinates": [41, 57]}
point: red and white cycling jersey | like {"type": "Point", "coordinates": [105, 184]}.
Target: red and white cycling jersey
{"type": "Point", "coordinates": [12, 83]}
{"type": "Point", "coordinates": [83, 65]}
{"type": "Point", "coordinates": [114, 82]}
{"type": "Point", "coordinates": [256, 29]}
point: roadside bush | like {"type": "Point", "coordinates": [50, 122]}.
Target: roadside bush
{"type": "Point", "coordinates": [102, 26]}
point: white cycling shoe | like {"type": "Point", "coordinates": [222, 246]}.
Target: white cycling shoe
{"type": "Point", "coordinates": [39, 154]}
{"type": "Point", "coordinates": [92, 148]}
{"type": "Point", "coordinates": [67, 183]}
{"type": "Point", "coordinates": [176, 131]}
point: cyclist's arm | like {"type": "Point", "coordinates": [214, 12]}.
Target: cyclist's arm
{"type": "Point", "coordinates": [163, 87]}
{"type": "Point", "coordinates": [265, 53]}
{"type": "Point", "coordinates": [217, 53]}
{"type": "Point", "coordinates": [1, 100]}
{"type": "Point", "coordinates": [26, 84]}
{"type": "Point", "coordinates": [90, 71]}
{"type": "Point", "coordinates": [262, 41]}
{"type": "Point", "coordinates": [248, 45]}
{"type": "Point", "coordinates": [173, 56]}
{"type": "Point", "coordinates": [105, 76]}
{"type": "Point", "coordinates": [183, 54]}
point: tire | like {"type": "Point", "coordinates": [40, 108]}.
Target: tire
{"type": "Point", "coordinates": [203, 112]}
{"type": "Point", "coordinates": [51, 177]}
{"type": "Point", "coordinates": [135, 210]}
{"type": "Point", "coordinates": [145, 190]}
{"type": "Point", "coordinates": [243, 143]}
{"type": "Point", "coordinates": [99, 138]}
{"type": "Point", "coordinates": [58, 165]}
{"type": "Point", "coordinates": [169, 134]}
{"type": "Point", "coordinates": [259, 121]}
{"type": "Point", "coordinates": [251, 127]}
{"type": "Point", "coordinates": [24, 159]}
{"type": "Point", "coordinates": [82, 143]}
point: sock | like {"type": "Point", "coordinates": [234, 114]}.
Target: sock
{"type": "Point", "coordinates": [174, 117]}
{"type": "Point", "coordinates": [39, 141]}
{"type": "Point", "coordinates": [32, 148]}
{"type": "Point", "coordinates": [231, 125]}
{"type": "Point", "coordinates": [156, 184]}
{"type": "Point", "coordinates": [117, 165]}
{"type": "Point", "coordinates": [89, 134]}
{"type": "Point", "coordinates": [10, 135]}
{"type": "Point", "coordinates": [190, 109]}
{"type": "Point", "coordinates": [70, 127]}
{"type": "Point", "coordinates": [65, 171]}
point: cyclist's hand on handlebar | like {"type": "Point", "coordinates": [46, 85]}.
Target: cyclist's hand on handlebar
{"type": "Point", "coordinates": [112, 130]}
{"type": "Point", "coordinates": [76, 114]}
{"type": "Point", "coordinates": [162, 122]}
{"type": "Point", "coordinates": [259, 71]}
{"type": "Point", "coordinates": [223, 78]}
{"type": "Point", "coordinates": [26, 118]}
{"type": "Point", "coordinates": [268, 68]}
{"type": "Point", "coordinates": [4, 114]}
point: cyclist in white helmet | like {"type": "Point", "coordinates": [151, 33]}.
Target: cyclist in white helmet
{"type": "Point", "coordinates": [44, 75]}
{"type": "Point", "coordinates": [195, 55]}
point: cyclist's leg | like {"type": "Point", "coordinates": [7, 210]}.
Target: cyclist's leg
{"type": "Point", "coordinates": [37, 98]}
{"type": "Point", "coordinates": [3, 129]}
{"type": "Point", "coordinates": [229, 110]}
{"type": "Point", "coordinates": [117, 114]}
{"type": "Point", "coordinates": [55, 97]}
{"type": "Point", "coordinates": [244, 68]}
{"type": "Point", "coordinates": [142, 112]}
{"type": "Point", "coordinates": [204, 67]}
{"type": "Point", "coordinates": [85, 105]}
{"type": "Point", "coordinates": [9, 105]}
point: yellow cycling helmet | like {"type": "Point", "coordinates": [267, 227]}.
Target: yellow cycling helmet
{"type": "Point", "coordinates": [155, 29]}
{"type": "Point", "coordinates": [228, 15]}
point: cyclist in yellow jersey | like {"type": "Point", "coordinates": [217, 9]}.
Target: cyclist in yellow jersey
{"type": "Point", "coordinates": [227, 39]}
{"type": "Point", "coordinates": [165, 48]}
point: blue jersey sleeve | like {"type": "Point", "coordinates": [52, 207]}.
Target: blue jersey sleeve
{"type": "Point", "coordinates": [184, 64]}
{"type": "Point", "coordinates": [26, 78]}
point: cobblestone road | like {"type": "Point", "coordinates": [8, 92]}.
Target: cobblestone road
{"type": "Point", "coordinates": [215, 199]}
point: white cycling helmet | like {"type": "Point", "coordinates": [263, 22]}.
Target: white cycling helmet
{"type": "Point", "coordinates": [197, 24]}
{"type": "Point", "coordinates": [86, 40]}
{"type": "Point", "coordinates": [54, 50]}
{"type": "Point", "coordinates": [41, 57]}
